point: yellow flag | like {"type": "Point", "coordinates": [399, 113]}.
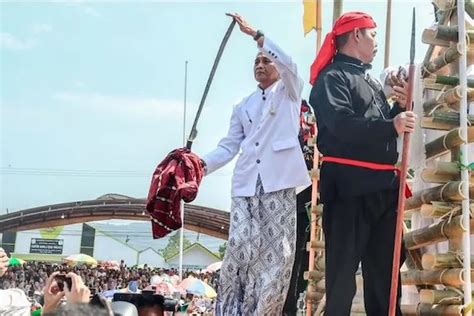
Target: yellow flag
{"type": "Point", "coordinates": [310, 16]}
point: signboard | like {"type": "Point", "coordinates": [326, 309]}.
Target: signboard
{"type": "Point", "coordinates": [47, 246]}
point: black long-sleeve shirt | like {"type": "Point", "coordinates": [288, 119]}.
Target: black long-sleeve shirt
{"type": "Point", "coordinates": [354, 121]}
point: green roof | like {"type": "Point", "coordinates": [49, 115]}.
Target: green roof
{"type": "Point", "coordinates": [39, 257]}
{"type": "Point", "coordinates": [198, 245]}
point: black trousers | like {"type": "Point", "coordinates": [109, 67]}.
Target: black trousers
{"type": "Point", "coordinates": [360, 229]}
{"type": "Point", "coordinates": [297, 282]}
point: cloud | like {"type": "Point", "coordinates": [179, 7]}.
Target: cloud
{"type": "Point", "coordinates": [8, 41]}
{"type": "Point", "coordinates": [12, 42]}
{"type": "Point", "coordinates": [83, 6]}
{"type": "Point", "coordinates": [129, 106]}
{"type": "Point", "coordinates": [41, 28]}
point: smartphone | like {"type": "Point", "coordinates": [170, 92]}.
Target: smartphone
{"type": "Point", "coordinates": [61, 279]}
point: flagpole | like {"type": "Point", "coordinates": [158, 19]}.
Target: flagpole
{"type": "Point", "coordinates": [314, 188]}
{"type": "Point", "coordinates": [181, 237]}
{"type": "Point", "coordinates": [388, 29]}
{"type": "Point", "coordinates": [337, 10]}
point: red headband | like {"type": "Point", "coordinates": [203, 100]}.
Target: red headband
{"type": "Point", "coordinates": [345, 23]}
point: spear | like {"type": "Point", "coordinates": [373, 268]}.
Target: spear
{"type": "Point", "coordinates": [403, 179]}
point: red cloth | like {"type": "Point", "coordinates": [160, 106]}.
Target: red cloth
{"type": "Point", "coordinates": [345, 23]}
{"type": "Point", "coordinates": [368, 165]}
{"type": "Point", "coordinates": [177, 177]}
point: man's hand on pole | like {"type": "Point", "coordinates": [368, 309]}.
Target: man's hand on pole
{"type": "Point", "coordinates": [405, 122]}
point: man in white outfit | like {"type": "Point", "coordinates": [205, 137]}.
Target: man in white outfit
{"type": "Point", "coordinates": [264, 126]}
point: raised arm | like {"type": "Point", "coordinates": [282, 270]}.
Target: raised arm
{"type": "Point", "coordinates": [283, 63]}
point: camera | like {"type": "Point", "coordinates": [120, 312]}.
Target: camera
{"type": "Point", "coordinates": [61, 279]}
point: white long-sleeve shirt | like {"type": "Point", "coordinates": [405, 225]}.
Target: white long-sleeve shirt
{"type": "Point", "coordinates": [265, 131]}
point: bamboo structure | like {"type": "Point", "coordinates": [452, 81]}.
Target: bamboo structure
{"type": "Point", "coordinates": [445, 297]}
{"type": "Point", "coordinates": [439, 277]}
{"type": "Point", "coordinates": [428, 309]}
{"type": "Point", "coordinates": [447, 142]}
{"type": "Point", "coordinates": [451, 98]}
{"type": "Point", "coordinates": [441, 261]}
{"type": "Point", "coordinates": [446, 199]}
{"type": "Point", "coordinates": [439, 209]}
{"type": "Point", "coordinates": [448, 56]}
{"type": "Point", "coordinates": [441, 120]}
{"type": "Point", "coordinates": [441, 231]}
{"type": "Point", "coordinates": [448, 277]}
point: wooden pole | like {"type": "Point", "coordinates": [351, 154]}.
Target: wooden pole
{"type": "Point", "coordinates": [337, 10]}
{"type": "Point", "coordinates": [403, 179]}
{"type": "Point", "coordinates": [388, 29]}
{"type": "Point", "coordinates": [314, 190]}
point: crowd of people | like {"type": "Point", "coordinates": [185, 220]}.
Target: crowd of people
{"type": "Point", "coordinates": [31, 276]}
{"type": "Point", "coordinates": [33, 285]}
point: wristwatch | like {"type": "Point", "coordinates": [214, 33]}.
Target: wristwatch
{"type": "Point", "coordinates": [204, 166]}
{"type": "Point", "coordinates": [258, 35]}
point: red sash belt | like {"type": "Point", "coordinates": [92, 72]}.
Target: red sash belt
{"type": "Point", "coordinates": [368, 165]}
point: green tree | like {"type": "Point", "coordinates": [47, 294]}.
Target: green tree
{"type": "Point", "coordinates": [172, 248]}
{"type": "Point", "coordinates": [222, 249]}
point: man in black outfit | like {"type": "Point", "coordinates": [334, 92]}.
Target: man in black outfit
{"type": "Point", "coordinates": [357, 133]}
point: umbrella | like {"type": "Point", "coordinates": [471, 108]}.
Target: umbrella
{"type": "Point", "coordinates": [213, 267]}
{"type": "Point", "coordinates": [110, 265]}
{"type": "Point", "coordinates": [200, 288]}
{"type": "Point", "coordinates": [15, 261]}
{"type": "Point", "coordinates": [80, 258]}
{"type": "Point", "coordinates": [174, 279]}
{"type": "Point", "coordinates": [164, 288]}
{"type": "Point", "coordinates": [196, 286]}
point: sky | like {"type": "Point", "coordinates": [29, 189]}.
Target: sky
{"type": "Point", "coordinates": [92, 92]}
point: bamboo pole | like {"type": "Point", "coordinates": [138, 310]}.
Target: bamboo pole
{"type": "Point", "coordinates": [447, 142]}
{"type": "Point", "coordinates": [314, 275]}
{"type": "Point", "coordinates": [450, 33]}
{"type": "Point", "coordinates": [429, 310]}
{"type": "Point", "coordinates": [432, 261]}
{"type": "Point", "coordinates": [447, 277]}
{"type": "Point", "coordinates": [314, 296]}
{"type": "Point", "coordinates": [442, 172]}
{"type": "Point", "coordinates": [449, 192]}
{"type": "Point", "coordinates": [445, 297]}
{"type": "Point", "coordinates": [315, 244]}
{"type": "Point", "coordinates": [451, 97]}
{"type": "Point", "coordinates": [463, 109]}
{"type": "Point", "coordinates": [441, 120]}
{"type": "Point", "coordinates": [437, 209]}
{"type": "Point", "coordinates": [443, 19]}
{"type": "Point", "coordinates": [429, 37]}
{"type": "Point", "coordinates": [435, 233]}
{"type": "Point", "coordinates": [452, 81]}
{"type": "Point", "coordinates": [448, 56]}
